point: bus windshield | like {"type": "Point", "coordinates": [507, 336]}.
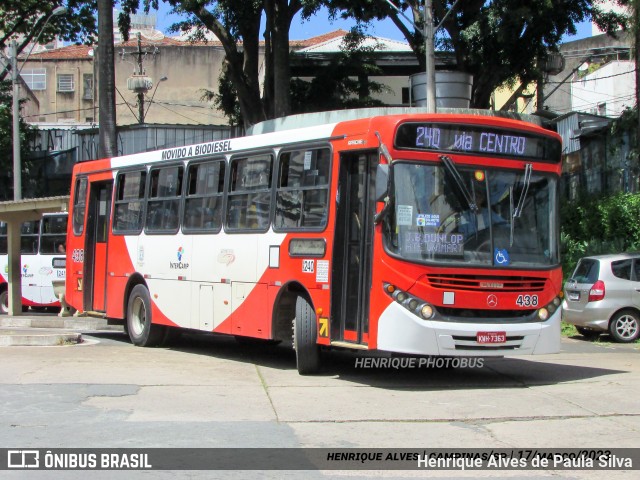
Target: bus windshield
{"type": "Point", "coordinates": [476, 216]}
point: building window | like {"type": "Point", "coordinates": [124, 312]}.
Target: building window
{"type": "Point", "coordinates": [405, 96]}
{"type": "Point", "coordinates": [66, 82]}
{"type": "Point", "coordinates": [87, 86]}
{"type": "Point", "coordinates": [35, 78]}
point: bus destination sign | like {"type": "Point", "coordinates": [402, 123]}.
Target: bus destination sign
{"type": "Point", "coordinates": [478, 140]}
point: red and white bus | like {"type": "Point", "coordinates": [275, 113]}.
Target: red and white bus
{"type": "Point", "coordinates": [43, 259]}
{"type": "Point", "coordinates": [425, 234]}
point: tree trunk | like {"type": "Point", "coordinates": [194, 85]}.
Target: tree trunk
{"type": "Point", "coordinates": [107, 144]}
{"type": "Point", "coordinates": [281, 69]}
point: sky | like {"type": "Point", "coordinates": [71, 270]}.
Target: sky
{"type": "Point", "coordinates": [320, 25]}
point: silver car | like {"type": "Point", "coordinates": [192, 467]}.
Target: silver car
{"type": "Point", "coordinates": [603, 294]}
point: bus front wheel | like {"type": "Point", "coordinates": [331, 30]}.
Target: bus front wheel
{"type": "Point", "coordinates": [4, 300]}
{"type": "Point", "coordinates": [142, 331]}
{"type": "Point", "coordinates": [304, 338]}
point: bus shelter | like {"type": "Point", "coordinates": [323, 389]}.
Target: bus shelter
{"type": "Point", "coordinates": [13, 213]}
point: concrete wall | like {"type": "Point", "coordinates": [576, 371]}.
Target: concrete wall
{"type": "Point", "coordinates": [189, 70]}
{"type": "Point", "coordinates": [62, 106]}
{"type": "Point", "coordinates": [607, 91]}
{"type": "Point", "coordinates": [575, 53]}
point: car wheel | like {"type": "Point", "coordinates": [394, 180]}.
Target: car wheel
{"type": "Point", "coordinates": [305, 338]}
{"type": "Point", "coordinates": [142, 331]}
{"type": "Point", "coordinates": [624, 326]}
{"type": "Point", "coordinates": [588, 332]}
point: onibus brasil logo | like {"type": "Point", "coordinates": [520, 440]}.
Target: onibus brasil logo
{"type": "Point", "coordinates": [179, 264]}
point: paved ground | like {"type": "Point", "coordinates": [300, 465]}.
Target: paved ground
{"type": "Point", "coordinates": [208, 391]}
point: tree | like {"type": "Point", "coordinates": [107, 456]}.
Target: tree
{"type": "Point", "coordinates": [496, 41]}
{"type": "Point", "coordinates": [107, 143]}
{"type": "Point", "coordinates": [237, 27]}
{"type": "Point", "coordinates": [6, 142]}
{"type": "Point", "coordinates": [24, 19]}
{"type": "Point", "coordinates": [344, 82]}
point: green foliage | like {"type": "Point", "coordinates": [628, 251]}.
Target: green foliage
{"type": "Point", "coordinates": [626, 124]}
{"type": "Point", "coordinates": [568, 330]}
{"type": "Point", "coordinates": [344, 82]}
{"type": "Point", "coordinates": [226, 99]}
{"type": "Point", "coordinates": [496, 41]}
{"type": "Point", "coordinates": [595, 225]}
{"type": "Point", "coordinates": [6, 143]}
{"type": "Point", "coordinates": [24, 19]}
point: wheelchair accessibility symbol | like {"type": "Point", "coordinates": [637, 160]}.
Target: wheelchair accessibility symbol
{"type": "Point", "coordinates": [501, 257]}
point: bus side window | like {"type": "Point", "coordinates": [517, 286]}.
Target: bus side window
{"type": "Point", "coordinates": [79, 205]}
{"type": "Point", "coordinates": [303, 189]}
{"type": "Point", "coordinates": [165, 191]}
{"type": "Point", "coordinates": [29, 237]}
{"type": "Point", "coordinates": [249, 198]}
{"type": "Point", "coordinates": [53, 236]}
{"type": "Point", "coordinates": [203, 203]}
{"type": "Point", "coordinates": [130, 188]}
{"type": "Point", "coordinates": [3, 238]}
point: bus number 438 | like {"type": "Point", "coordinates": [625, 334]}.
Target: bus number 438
{"type": "Point", "coordinates": [527, 301]}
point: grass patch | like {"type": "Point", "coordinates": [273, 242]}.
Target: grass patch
{"type": "Point", "coordinates": [568, 330]}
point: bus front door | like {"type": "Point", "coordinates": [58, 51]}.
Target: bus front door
{"type": "Point", "coordinates": [95, 260]}
{"type": "Point", "coordinates": [352, 255]}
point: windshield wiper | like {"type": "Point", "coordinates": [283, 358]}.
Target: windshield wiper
{"type": "Point", "coordinates": [453, 171]}
{"type": "Point", "coordinates": [525, 189]}
{"type": "Point", "coordinates": [517, 212]}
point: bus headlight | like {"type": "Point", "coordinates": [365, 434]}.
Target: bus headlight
{"type": "Point", "coordinates": [426, 311]}
{"type": "Point", "coordinates": [550, 308]}
{"type": "Point", "coordinates": [543, 314]}
{"type": "Point", "coordinates": [415, 305]}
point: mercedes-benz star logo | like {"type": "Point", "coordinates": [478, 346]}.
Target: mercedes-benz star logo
{"type": "Point", "coordinates": [492, 301]}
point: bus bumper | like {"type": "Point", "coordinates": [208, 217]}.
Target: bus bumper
{"type": "Point", "coordinates": [402, 332]}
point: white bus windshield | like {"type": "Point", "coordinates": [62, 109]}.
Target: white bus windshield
{"type": "Point", "coordinates": [433, 221]}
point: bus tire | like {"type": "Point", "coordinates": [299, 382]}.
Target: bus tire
{"type": "Point", "coordinates": [4, 300]}
{"type": "Point", "coordinates": [305, 338]}
{"type": "Point", "coordinates": [142, 331]}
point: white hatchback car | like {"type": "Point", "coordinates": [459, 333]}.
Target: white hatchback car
{"type": "Point", "coordinates": [603, 294]}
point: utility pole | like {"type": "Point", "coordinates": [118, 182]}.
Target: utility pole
{"type": "Point", "coordinates": [17, 160]}
{"type": "Point", "coordinates": [430, 64]}
{"type": "Point", "coordinates": [140, 53]}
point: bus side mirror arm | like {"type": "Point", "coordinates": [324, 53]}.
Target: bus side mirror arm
{"type": "Point", "coordinates": [383, 186]}
{"type": "Point", "coordinates": [382, 182]}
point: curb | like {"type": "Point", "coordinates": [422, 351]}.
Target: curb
{"type": "Point", "coordinates": [73, 323]}
{"type": "Point", "coordinates": [48, 331]}
{"type": "Point", "coordinates": [12, 338]}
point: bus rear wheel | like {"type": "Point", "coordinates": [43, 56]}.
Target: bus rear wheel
{"type": "Point", "coordinates": [142, 331]}
{"type": "Point", "coordinates": [305, 338]}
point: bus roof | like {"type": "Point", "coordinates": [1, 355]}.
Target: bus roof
{"type": "Point", "coordinates": [335, 116]}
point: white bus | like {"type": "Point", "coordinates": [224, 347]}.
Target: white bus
{"type": "Point", "coordinates": [43, 249]}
